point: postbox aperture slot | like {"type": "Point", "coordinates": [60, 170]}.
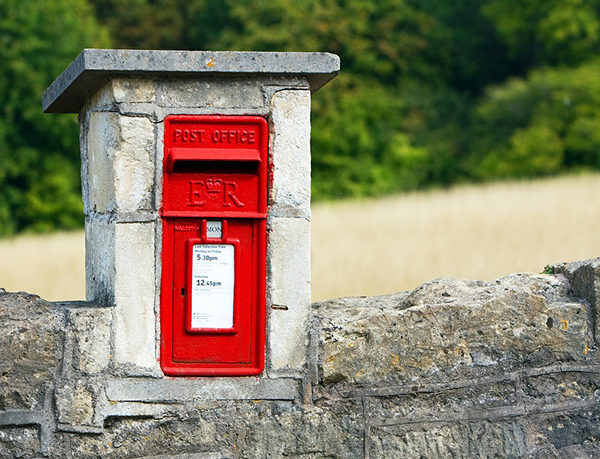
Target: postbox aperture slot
{"type": "Point", "coordinates": [215, 167]}
{"type": "Point", "coordinates": [200, 155]}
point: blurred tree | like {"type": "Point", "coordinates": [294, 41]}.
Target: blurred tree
{"type": "Point", "coordinates": [539, 125]}
{"type": "Point", "coordinates": [358, 146]}
{"type": "Point", "coordinates": [164, 24]}
{"type": "Point", "coordinates": [144, 24]}
{"type": "Point", "coordinates": [39, 154]}
{"type": "Point", "coordinates": [466, 48]}
{"type": "Point", "coordinates": [547, 31]}
{"type": "Point", "coordinates": [383, 40]}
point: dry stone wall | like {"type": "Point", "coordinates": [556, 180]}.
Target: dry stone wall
{"type": "Point", "coordinates": [455, 368]}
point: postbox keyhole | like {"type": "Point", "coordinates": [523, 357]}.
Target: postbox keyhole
{"type": "Point", "coordinates": [183, 291]}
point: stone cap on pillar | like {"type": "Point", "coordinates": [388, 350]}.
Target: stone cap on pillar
{"type": "Point", "coordinates": [89, 70]}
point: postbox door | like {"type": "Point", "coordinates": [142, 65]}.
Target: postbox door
{"type": "Point", "coordinates": [215, 328]}
{"type": "Point", "coordinates": [220, 331]}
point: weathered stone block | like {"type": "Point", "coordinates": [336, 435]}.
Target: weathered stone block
{"type": "Point", "coordinates": [473, 439]}
{"type": "Point", "coordinates": [448, 328]}
{"type": "Point", "coordinates": [101, 100]}
{"type": "Point", "coordinates": [560, 387]}
{"type": "Point", "coordinates": [134, 288]}
{"type": "Point", "coordinates": [100, 260]}
{"type": "Point", "coordinates": [584, 277]}
{"type": "Point", "coordinates": [568, 434]}
{"type": "Point", "coordinates": [102, 140]}
{"type": "Point", "coordinates": [443, 404]}
{"type": "Point", "coordinates": [245, 429]}
{"type": "Point", "coordinates": [19, 442]}
{"type": "Point", "coordinates": [288, 292]}
{"type": "Point", "coordinates": [290, 151]}
{"type": "Point", "coordinates": [177, 390]}
{"type": "Point", "coordinates": [120, 271]}
{"type": "Point", "coordinates": [331, 430]}
{"type": "Point", "coordinates": [122, 91]}
{"type": "Point", "coordinates": [32, 344]}
{"type": "Point", "coordinates": [132, 90]}
{"type": "Point", "coordinates": [134, 165]}
{"type": "Point", "coordinates": [90, 328]}
{"type": "Point", "coordinates": [138, 409]}
{"type": "Point", "coordinates": [75, 404]}
{"type": "Point", "coordinates": [120, 163]}
{"type": "Point", "coordinates": [149, 438]}
{"type": "Point", "coordinates": [220, 93]}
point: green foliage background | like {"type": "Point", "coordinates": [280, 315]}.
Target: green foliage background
{"type": "Point", "coordinates": [432, 92]}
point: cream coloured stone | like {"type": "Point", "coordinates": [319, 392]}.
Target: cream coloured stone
{"type": "Point", "coordinates": [214, 93]}
{"type": "Point", "coordinates": [451, 328]}
{"type": "Point", "coordinates": [159, 151]}
{"type": "Point", "coordinates": [290, 150]}
{"type": "Point", "coordinates": [91, 328]}
{"type": "Point", "coordinates": [102, 140]}
{"type": "Point", "coordinates": [75, 404]}
{"type": "Point", "coordinates": [84, 124]}
{"type": "Point", "coordinates": [120, 163]}
{"type": "Point", "coordinates": [134, 164]}
{"type": "Point", "coordinates": [133, 90]}
{"type": "Point", "coordinates": [134, 322]}
{"type": "Point", "coordinates": [99, 261]}
{"type": "Point", "coordinates": [102, 100]}
{"type": "Point", "coordinates": [288, 285]}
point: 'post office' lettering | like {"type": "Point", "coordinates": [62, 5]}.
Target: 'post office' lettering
{"type": "Point", "coordinates": [217, 136]}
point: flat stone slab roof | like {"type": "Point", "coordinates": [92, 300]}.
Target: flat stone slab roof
{"type": "Point", "coordinates": [89, 70]}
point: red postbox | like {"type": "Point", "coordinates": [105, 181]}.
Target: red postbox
{"type": "Point", "coordinates": [214, 245]}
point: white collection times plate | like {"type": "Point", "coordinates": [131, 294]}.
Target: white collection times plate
{"type": "Point", "coordinates": [212, 285]}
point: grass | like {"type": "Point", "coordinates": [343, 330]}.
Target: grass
{"type": "Point", "coordinates": [50, 265]}
{"type": "Point", "coordinates": [478, 232]}
{"type": "Point", "coordinates": [379, 246]}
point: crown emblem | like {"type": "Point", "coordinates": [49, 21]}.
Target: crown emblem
{"type": "Point", "coordinates": [213, 188]}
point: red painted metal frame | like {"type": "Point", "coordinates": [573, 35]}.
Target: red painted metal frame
{"type": "Point", "coordinates": [242, 226]}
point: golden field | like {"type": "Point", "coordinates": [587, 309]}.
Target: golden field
{"type": "Point", "coordinates": [389, 244]}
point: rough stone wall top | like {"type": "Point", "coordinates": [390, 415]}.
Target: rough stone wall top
{"type": "Point", "coordinates": [89, 70]}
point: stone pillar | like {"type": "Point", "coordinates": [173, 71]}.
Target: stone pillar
{"type": "Point", "coordinates": [123, 97]}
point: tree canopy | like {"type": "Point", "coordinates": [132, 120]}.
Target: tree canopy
{"type": "Point", "coordinates": [39, 154]}
{"type": "Point", "coordinates": [431, 92]}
